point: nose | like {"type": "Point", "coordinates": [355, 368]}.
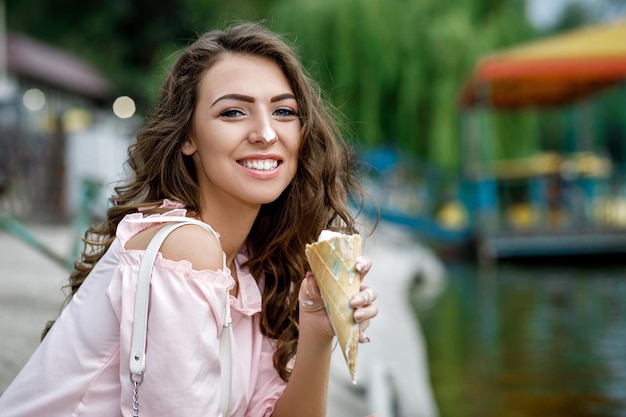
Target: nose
{"type": "Point", "coordinates": [261, 130]}
{"type": "Point", "coordinates": [265, 135]}
{"type": "Point", "coordinates": [268, 134]}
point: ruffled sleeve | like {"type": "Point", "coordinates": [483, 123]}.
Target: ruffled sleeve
{"type": "Point", "coordinates": [185, 314]}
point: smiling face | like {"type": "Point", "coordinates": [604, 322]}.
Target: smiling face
{"type": "Point", "coordinates": [245, 135]}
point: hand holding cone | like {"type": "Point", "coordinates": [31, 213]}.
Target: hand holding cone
{"type": "Point", "coordinates": [333, 262]}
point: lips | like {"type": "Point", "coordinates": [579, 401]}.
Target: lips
{"type": "Point", "coordinates": [260, 164]}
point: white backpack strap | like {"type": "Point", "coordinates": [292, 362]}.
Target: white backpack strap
{"type": "Point", "coordinates": [140, 320]}
{"type": "Point", "coordinates": [226, 352]}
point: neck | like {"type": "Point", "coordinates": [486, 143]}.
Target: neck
{"type": "Point", "coordinates": [232, 225]}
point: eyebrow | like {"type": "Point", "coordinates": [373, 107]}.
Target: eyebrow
{"type": "Point", "coordinates": [282, 97]}
{"type": "Point", "coordinates": [249, 99]}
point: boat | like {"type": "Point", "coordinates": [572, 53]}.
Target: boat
{"type": "Point", "coordinates": [562, 202]}
{"type": "Point", "coordinates": [566, 202]}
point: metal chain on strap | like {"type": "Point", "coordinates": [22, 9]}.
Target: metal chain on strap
{"type": "Point", "coordinates": [136, 398]}
{"type": "Point", "coordinates": [136, 380]}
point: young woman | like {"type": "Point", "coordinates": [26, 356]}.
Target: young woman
{"type": "Point", "coordinates": [240, 141]}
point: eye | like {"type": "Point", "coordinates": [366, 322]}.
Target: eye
{"type": "Point", "coordinates": [231, 113]}
{"type": "Point", "coordinates": [285, 112]}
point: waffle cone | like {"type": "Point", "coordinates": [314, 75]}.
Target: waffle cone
{"type": "Point", "coordinates": [333, 263]}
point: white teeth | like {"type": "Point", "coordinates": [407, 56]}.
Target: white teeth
{"type": "Point", "coordinates": [260, 165]}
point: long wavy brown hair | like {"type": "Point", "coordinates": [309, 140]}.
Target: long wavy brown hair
{"type": "Point", "coordinates": [316, 199]}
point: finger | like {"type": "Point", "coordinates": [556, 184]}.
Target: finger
{"type": "Point", "coordinates": [363, 317]}
{"type": "Point", "coordinates": [366, 296]}
{"type": "Point", "coordinates": [312, 290]}
{"type": "Point", "coordinates": [364, 314]}
{"type": "Point", "coordinates": [309, 296]}
{"type": "Point", "coordinates": [363, 326]}
{"type": "Point", "coordinates": [363, 265]}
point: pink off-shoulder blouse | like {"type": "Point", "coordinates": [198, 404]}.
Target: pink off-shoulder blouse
{"type": "Point", "coordinates": [81, 367]}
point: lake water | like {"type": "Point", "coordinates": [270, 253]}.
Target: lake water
{"type": "Point", "coordinates": [521, 340]}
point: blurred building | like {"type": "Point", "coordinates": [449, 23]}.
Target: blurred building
{"type": "Point", "coordinates": [56, 130]}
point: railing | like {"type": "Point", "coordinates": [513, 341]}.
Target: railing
{"type": "Point", "coordinates": [85, 216]}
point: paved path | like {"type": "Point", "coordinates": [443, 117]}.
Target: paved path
{"type": "Point", "coordinates": [30, 295]}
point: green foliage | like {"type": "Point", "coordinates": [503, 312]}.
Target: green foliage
{"type": "Point", "coordinates": [394, 68]}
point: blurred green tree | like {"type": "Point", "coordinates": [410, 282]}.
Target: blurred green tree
{"type": "Point", "coordinates": [392, 67]}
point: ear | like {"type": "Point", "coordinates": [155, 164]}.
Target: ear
{"type": "Point", "coordinates": [188, 147]}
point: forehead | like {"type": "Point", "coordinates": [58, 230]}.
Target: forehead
{"type": "Point", "coordinates": [245, 74]}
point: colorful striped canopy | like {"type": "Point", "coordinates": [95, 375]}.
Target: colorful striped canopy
{"type": "Point", "coordinates": [550, 71]}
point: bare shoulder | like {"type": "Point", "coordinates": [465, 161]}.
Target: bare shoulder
{"type": "Point", "coordinates": [189, 242]}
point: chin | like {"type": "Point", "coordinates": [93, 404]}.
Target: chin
{"type": "Point", "coordinates": [268, 200]}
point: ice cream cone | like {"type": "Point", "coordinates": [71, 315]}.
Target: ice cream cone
{"type": "Point", "coordinates": [333, 262]}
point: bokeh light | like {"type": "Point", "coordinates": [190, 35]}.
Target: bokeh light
{"type": "Point", "coordinates": [34, 99]}
{"type": "Point", "coordinates": [124, 107]}
{"type": "Point", "coordinates": [76, 119]}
